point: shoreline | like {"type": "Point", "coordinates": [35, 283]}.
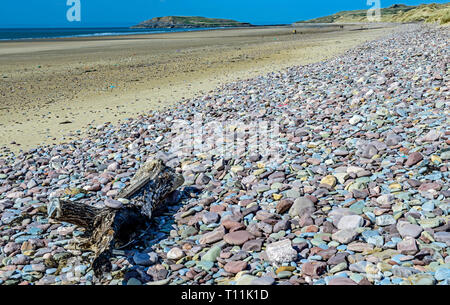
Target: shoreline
{"type": "Point", "coordinates": [133, 35]}
{"type": "Point", "coordinates": [307, 28]}
{"type": "Point", "coordinates": [110, 35]}
{"type": "Point", "coordinates": [108, 80]}
{"type": "Point", "coordinates": [84, 37]}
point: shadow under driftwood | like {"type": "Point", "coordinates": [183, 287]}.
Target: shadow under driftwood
{"type": "Point", "coordinates": [127, 221]}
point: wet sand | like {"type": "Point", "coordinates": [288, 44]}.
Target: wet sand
{"type": "Point", "coordinates": [51, 91]}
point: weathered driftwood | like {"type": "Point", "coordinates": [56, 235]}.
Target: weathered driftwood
{"type": "Point", "coordinates": [108, 228]}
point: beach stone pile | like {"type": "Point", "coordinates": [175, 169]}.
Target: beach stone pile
{"type": "Point", "coordinates": [360, 195]}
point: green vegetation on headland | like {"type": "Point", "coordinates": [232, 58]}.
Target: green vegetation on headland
{"type": "Point", "coordinates": [430, 13]}
{"type": "Point", "coordinates": [189, 22]}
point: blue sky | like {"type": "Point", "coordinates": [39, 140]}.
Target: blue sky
{"type": "Point", "coordinates": [106, 13]}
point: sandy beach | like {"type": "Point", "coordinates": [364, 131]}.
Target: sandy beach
{"type": "Point", "coordinates": [52, 91]}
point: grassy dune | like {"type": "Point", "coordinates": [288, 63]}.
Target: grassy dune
{"type": "Point", "coordinates": [430, 13]}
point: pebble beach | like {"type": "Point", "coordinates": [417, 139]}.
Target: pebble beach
{"type": "Point", "coordinates": [360, 195]}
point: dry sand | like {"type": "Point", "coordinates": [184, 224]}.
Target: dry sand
{"type": "Point", "coordinates": [52, 90]}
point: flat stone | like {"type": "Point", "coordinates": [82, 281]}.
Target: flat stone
{"type": "Point", "coordinates": [284, 274]}
{"type": "Point", "coordinates": [212, 237]}
{"type": "Point", "coordinates": [292, 193]}
{"type": "Point", "coordinates": [202, 179]}
{"type": "Point", "coordinates": [360, 247]}
{"type": "Point", "coordinates": [445, 155]}
{"type": "Point", "coordinates": [355, 119]}
{"type": "Point", "coordinates": [337, 213]}
{"type": "Point", "coordinates": [329, 180]}
{"type": "Point", "coordinates": [442, 274]}
{"type": "Point", "coordinates": [238, 237]}
{"type": "Point", "coordinates": [175, 253]}
{"type": "Point", "coordinates": [338, 268]}
{"type": "Point", "coordinates": [205, 265]}
{"type": "Point", "coordinates": [408, 229]}
{"type": "Point", "coordinates": [253, 245]}
{"type": "Point", "coordinates": [145, 259]}
{"type": "Point", "coordinates": [385, 220]}
{"type": "Point", "coordinates": [431, 136]}
{"type": "Point", "coordinates": [237, 168]}
{"type": "Point", "coordinates": [232, 225]}
{"type": "Point", "coordinates": [20, 259]}
{"type": "Point", "coordinates": [246, 279]}
{"type": "Point", "coordinates": [393, 139]}
{"type": "Point", "coordinates": [212, 254]}
{"type": "Point", "coordinates": [407, 246]}
{"type": "Point", "coordinates": [210, 217]}
{"type": "Point", "coordinates": [344, 236]}
{"type": "Point", "coordinates": [341, 281]}
{"type": "Point", "coordinates": [327, 253]}
{"type": "Point", "coordinates": [341, 152]}
{"type": "Point", "coordinates": [248, 179]}
{"type": "Point", "coordinates": [425, 187]}
{"type": "Point", "coordinates": [282, 225]}
{"type": "Point", "coordinates": [235, 266]}
{"type": "Point", "coordinates": [113, 166]}
{"type": "Point", "coordinates": [341, 177]}
{"type": "Point", "coordinates": [188, 231]}
{"type": "Point", "coordinates": [314, 268]}
{"type": "Point", "coordinates": [350, 222]}
{"type": "Point", "coordinates": [301, 205]}
{"type": "Point", "coordinates": [413, 159]}
{"type": "Point", "coordinates": [265, 280]}
{"type": "Point", "coordinates": [369, 151]}
{"type": "Point", "coordinates": [281, 252]}
{"type": "Point", "coordinates": [403, 272]}
{"type": "Point", "coordinates": [421, 279]}
{"type": "Point", "coordinates": [10, 248]}
{"type": "Point", "coordinates": [354, 170]}
{"type": "Point", "coordinates": [113, 204]}
{"type": "Point", "coordinates": [385, 199]}
{"type": "Point", "coordinates": [443, 237]}
{"type": "Point", "coordinates": [284, 268]}
{"type": "Point", "coordinates": [359, 267]}
{"type": "Point", "coordinates": [429, 223]}
{"type": "Point", "coordinates": [284, 205]}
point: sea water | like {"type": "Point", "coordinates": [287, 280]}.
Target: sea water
{"type": "Point", "coordinates": [37, 33]}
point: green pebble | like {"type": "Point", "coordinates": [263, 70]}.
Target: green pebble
{"type": "Point", "coordinates": [356, 277]}
{"type": "Point", "coordinates": [317, 242]}
{"type": "Point", "coordinates": [205, 265]}
{"type": "Point", "coordinates": [298, 240]}
{"type": "Point", "coordinates": [333, 244]}
{"type": "Point", "coordinates": [284, 274]}
{"type": "Point", "coordinates": [430, 223]}
{"type": "Point", "coordinates": [357, 207]}
{"type": "Point", "coordinates": [189, 231]}
{"type": "Point", "coordinates": [421, 279]}
{"type": "Point", "coordinates": [190, 264]}
{"type": "Point", "coordinates": [292, 194]}
{"type": "Point", "coordinates": [276, 186]}
{"type": "Point", "coordinates": [245, 279]}
{"type": "Point", "coordinates": [338, 267]}
{"type": "Point", "coordinates": [212, 254]}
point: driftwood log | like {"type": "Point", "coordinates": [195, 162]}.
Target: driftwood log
{"type": "Point", "coordinates": [108, 228]}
